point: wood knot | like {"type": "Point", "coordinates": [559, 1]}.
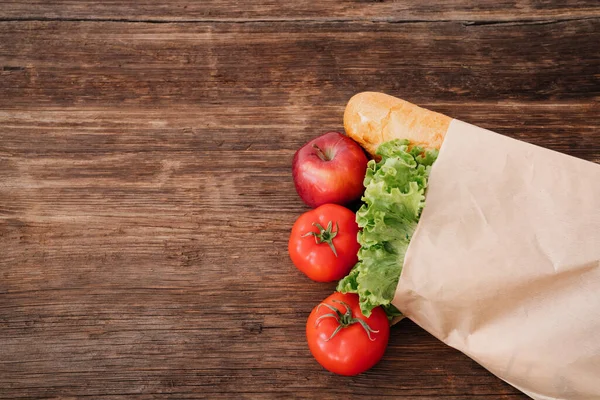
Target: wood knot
{"type": "Point", "coordinates": [255, 327]}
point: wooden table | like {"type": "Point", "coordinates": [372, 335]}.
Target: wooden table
{"type": "Point", "coordinates": [145, 184]}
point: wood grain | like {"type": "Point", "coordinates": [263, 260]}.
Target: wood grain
{"type": "Point", "coordinates": [301, 10]}
{"type": "Point", "coordinates": [146, 192]}
{"type": "Point", "coordinates": [275, 64]}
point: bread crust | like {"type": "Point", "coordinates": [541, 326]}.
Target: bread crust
{"type": "Point", "coordinates": [373, 118]}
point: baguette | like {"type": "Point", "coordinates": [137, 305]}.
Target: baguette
{"type": "Point", "coordinates": [374, 118]}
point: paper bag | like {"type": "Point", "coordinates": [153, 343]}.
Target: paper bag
{"type": "Point", "coordinates": [505, 262]}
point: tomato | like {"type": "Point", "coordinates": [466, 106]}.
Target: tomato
{"type": "Point", "coordinates": [323, 243]}
{"type": "Point", "coordinates": [342, 339]}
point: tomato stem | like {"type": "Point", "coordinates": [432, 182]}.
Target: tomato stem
{"type": "Point", "coordinates": [325, 235]}
{"type": "Point", "coordinates": [344, 320]}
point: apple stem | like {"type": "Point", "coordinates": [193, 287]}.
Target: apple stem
{"type": "Point", "coordinates": [321, 154]}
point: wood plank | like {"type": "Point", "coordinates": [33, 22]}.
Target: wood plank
{"type": "Point", "coordinates": [154, 65]}
{"type": "Point", "coordinates": [100, 137]}
{"type": "Point", "coordinates": [124, 272]}
{"type": "Point", "coordinates": [325, 10]}
{"type": "Point", "coordinates": [123, 268]}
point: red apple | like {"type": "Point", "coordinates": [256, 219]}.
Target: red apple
{"type": "Point", "coordinates": [329, 169]}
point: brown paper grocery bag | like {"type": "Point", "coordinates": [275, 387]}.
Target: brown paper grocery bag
{"type": "Point", "coordinates": [505, 262]}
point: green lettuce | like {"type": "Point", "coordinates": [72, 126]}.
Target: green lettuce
{"type": "Point", "coordinates": [393, 200]}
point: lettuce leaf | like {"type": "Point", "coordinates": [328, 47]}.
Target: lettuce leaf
{"type": "Point", "coordinates": [393, 200]}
